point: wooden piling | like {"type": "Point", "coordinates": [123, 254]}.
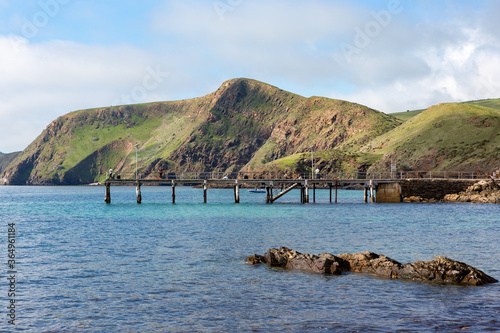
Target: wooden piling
{"type": "Point", "coordinates": [236, 192]}
{"type": "Point", "coordinates": [205, 191]}
{"type": "Point", "coordinates": [365, 194]}
{"type": "Point", "coordinates": [107, 196]}
{"type": "Point", "coordinates": [372, 195]}
{"type": "Point", "coordinates": [330, 186]}
{"type": "Point", "coordinates": [336, 188]}
{"type": "Point", "coordinates": [173, 191]}
{"type": "Point", "coordinates": [306, 193]}
{"type": "Point", "coordinates": [138, 192]}
{"type": "Point", "coordinates": [314, 192]}
{"type": "Point", "coordinates": [268, 193]}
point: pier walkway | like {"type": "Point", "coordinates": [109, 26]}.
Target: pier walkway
{"type": "Point", "coordinates": [380, 188]}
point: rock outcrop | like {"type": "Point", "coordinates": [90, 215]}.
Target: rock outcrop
{"type": "Point", "coordinates": [481, 192]}
{"type": "Point", "coordinates": [439, 270]}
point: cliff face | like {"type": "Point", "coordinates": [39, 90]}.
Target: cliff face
{"type": "Point", "coordinates": [245, 123]}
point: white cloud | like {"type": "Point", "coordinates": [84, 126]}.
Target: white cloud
{"type": "Point", "coordinates": [411, 60]}
{"type": "Point", "coordinates": [40, 82]}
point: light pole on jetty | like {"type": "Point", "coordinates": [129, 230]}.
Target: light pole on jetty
{"type": "Point", "coordinates": [312, 162]}
{"type": "Point", "coordinates": [136, 160]}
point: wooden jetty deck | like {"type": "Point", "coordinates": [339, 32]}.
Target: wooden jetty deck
{"type": "Point", "coordinates": [306, 186]}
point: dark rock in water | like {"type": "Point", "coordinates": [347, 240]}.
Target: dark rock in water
{"type": "Point", "coordinates": [439, 270]}
{"type": "Point", "coordinates": [445, 270]}
{"type": "Point", "coordinates": [324, 263]}
{"type": "Point", "coordinates": [255, 260]}
{"type": "Point", "coordinates": [372, 263]}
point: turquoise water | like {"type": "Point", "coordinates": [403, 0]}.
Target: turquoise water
{"type": "Point", "coordinates": [85, 266]}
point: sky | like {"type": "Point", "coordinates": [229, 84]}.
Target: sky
{"type": "Point", "coordinates": [58, 56]}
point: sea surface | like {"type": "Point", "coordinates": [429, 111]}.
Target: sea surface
{"type": "Point", "coordinates": [86, 266]}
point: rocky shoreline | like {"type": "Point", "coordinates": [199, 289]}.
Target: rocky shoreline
{"type": "Point", "coordinates": [481, 192]}
{"type": "Point", "coordinates": [484, 191]}
{"type": "Point", "coordinates": [440, 270]}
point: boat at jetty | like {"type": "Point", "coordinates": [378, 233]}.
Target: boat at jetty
{"type": "Point", "coordinates": [257, 191]}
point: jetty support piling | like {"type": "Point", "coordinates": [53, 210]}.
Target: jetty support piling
{"type": "Point", "coordinates": [107, 195]}
{"type": "Point", "coordinates": [389, 193]}
{"type": "Point", "coordinates": [205, 191]}
{"type": "Point", "coordinates": [138, 192]}
{"type": "Point", "coordinates": [372, 194]}
{"type": "Point", "coordinates": [365, 194]}
{"type": "Point", "coordinates": [306, 192]}
{"type": "Point", "coordinates": [269, 193]}
{"type": "Point", "coordinates": [314, 192]}
{"type": "Point", "coordinates": [236, 192]}
{"type": "Point", "coordinates": [336, 188]}
{"type": "Point", "coordinates": [173, 191]}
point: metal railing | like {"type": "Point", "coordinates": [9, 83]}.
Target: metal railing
{"type": "Point", "coordinates": [336, 175]}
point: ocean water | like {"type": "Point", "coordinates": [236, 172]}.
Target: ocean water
{"type": "Point", "coordinates": [86, 266]}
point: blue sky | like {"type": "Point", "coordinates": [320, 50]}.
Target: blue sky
{"type": "Point", "coordinates": [58, 56]}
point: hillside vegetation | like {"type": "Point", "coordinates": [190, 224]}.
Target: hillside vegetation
{"type": "Point", "coordinates": [489, 103]}
{"type": "Point", "coordinates": [453, 136]}
{"type": "Point", "coordinates": [250, 126]}
{"type": "Point", "coordinates": [243, 125]}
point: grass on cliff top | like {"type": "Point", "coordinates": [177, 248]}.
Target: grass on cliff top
{"type": "Point", "coordinates": [404, 116]}
{"type": "Point", "coordinates": [489, 103]}
{"type": "Point", "coordinates": [443, 125]}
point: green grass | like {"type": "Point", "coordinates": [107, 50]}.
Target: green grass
{"type": "Point", "coordinates": [489, 103]}
{"type": "Point", "coordinates": [450, 134]}
{"type": "Point", "coordinates": [404, 116]}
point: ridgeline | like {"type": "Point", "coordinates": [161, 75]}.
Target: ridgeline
{"type": "Point", "coordinates": [247, 125]}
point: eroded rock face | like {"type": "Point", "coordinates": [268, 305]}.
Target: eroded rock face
{"type": "Point", "coordinates": [481, 192]}
{"type": "Point", "coordinates": [439, 270]}
{"type": "Point", "coordinates": [445, 270]}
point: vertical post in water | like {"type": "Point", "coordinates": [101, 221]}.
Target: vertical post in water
{"type": "Point", "coordinates": [306, 195]}
{"type": "Point", "coordinates": [107, 196]}
{"type": "Point", "coordinates": [236, 192]}
{"type": "Point", "coordinates": [205, 191]}
{"type": "Point", "coordinates": [365, 194]}
{"type": "Point", "coordinates": [138, 192]}
{"type": "Point", "coordinates": [330, 192]}
{"type": "Point", "coordinates": [372, 196]}
{"type": "Point", "coordinates": [336, 188]}
{"type": "Point", "coordinates": [173, 191]}
{"type": "Point", "coordinates": [314, 192]}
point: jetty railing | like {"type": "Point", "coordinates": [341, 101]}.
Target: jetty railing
{"type": "Point", "coordinates": [331, 175]}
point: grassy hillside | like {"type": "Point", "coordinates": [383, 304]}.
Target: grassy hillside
{"type": "Point", "coordinates": [404, 116]}
{"type": "Point", "coordinates": [244, 124]}
{"type": "Point", "coordinates": [489, 103]}
{"type": "Point", "coordinates": [452, 136]}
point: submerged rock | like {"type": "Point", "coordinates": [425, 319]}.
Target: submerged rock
{"type": "Point", "coordinates": [439, 270]}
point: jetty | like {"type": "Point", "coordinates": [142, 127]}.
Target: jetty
{"type": "Point", "coordinates": [377, 188]}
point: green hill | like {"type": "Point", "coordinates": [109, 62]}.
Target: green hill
{"type": "Point", "coordinates": [454, 136]}
{"type": "Point", "coordinates": [245, 124]}
{"type": "Point", "coordinates": [489, 103]}
{"type": "Point", "coordinates": [404, 116]}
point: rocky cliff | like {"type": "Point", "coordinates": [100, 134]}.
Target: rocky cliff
{"type": "Point", "coordinates": [244, 124]}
